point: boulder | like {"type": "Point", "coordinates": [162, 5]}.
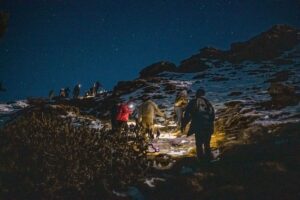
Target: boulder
{"type": "Point", "coordinates": [267, 45]}
{"type": "Point", "coordinates": [283, 95]}
{"type": "Point", "coordinates": [125, 87]}
{"type": "Point", "coordinates": [193, 64]}
{"type": "Point", "coordinates": [211, 52]}
{"type": "Point", "coordinates": [280, 76]}
{"type": "Point", "coordinates": [235, 93]}
{"type": "Point", "coordinates": [157, 68]}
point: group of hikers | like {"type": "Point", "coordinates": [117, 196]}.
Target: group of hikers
{"type": "Point", "coordinates": [197, 115]}
{"type": "Point", "coordinates": [65, 92]}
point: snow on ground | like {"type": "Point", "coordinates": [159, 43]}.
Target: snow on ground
{"type": "Point", "coordinates": [7, 109]}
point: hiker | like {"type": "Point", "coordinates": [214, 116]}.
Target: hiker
{"type": "Point", "coordinates": [96, 87]}
{"type": "Point", "coordinates": [181, 102]}
{"type": "Point", "coordinates": [76, 91]}
{"type": "Point", "coordinates": [113, 115]}
{"type": "Point", "coordinates": [67, 92]}
{"type": "Point", "coordinates": [146, 114]}
{"type": "Point", "coordinates": [201, 114]}
{"type": "Point", "coordinates": [90, 92]}
{"type": "Point", "coordinates": [122, 116]}
{"type": "Point", "coordinates": [62, 93]}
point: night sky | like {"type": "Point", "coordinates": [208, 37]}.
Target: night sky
{"type": "Point", "coordinates": [51, 44]}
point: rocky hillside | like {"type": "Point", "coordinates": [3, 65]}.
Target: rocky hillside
{"type": "Point", "coordinates": [255, 89]}
{"type": "Point", "coordinates": [254, 86]}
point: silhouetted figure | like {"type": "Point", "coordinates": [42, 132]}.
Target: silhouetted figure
{"type": "Point", "coordinates": [96, 87]}
{"type": "Point", "coordinates": [76, 91]}
{"type": "Point", "coordinates": [51, 95]}
{"type": "Point", "coordinates": [113, 115]}
{"type": "Point", "coordinates": [67, 92]}
{"type": "Point", "coordinates": [91, 91]}
{"type": "Point", "coordinates": [201, 114]}
{"type": "Point", "coordinates": [62, 93]}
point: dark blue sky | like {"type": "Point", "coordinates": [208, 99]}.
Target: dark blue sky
{"type": "Point", "coordinates": [56, 43]}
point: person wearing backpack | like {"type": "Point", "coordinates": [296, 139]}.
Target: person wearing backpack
{"type": "Point", "coordinates": [201, 114]}
{"type": "Point", "coordinates": [76, 91]}
{"type": "Point", "coordinates": [114, 113]}
{"type": "Point", "coordinates": [181, 102]}
{"type": "Point", "coordinates": [146, 113]}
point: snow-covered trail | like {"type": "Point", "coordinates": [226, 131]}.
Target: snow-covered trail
{"type": "Point", "coordinates": [176, 144]}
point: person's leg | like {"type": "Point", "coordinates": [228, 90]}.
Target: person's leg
{"type": "Point", "coordinates": [150, 133]}
{"type": "Point", "coordinates": [207, 149]}
{"type": "Point", "coordinates": [125, 126]}
{"type": "Point", "coordinates": [177, 114]}
{"type": "Point", "coordinates": [113, 124]}
{"type": "Point", "coordinates": [199, 146]}
{"type": "Point", "coordinates": [180, 113]}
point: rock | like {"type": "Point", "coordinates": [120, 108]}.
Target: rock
{"type": "Point", "coordinates": [219, 78]}
{"type": "Point", "coordinates": [283, 62]}
{"type": "Point", "coordinates": [151, 89]}
{"type": "Point", "coordinates": [233, 103]}
{"type": "Point", "coordinates": [211, 52]}
{"type": "Point", "coordinates": [125, 87]}
{"type": "Point", "coordinates": [267, 45]}
{"type": "Point", "coordinates": [235, 94]}
{"type": "Point", "coordinates": [157, 68]}
{"type": "Point", "coordinates": [170, 87]}
{"type": "Point", "coordinates": [158, 96]}
{"type": "Point", "coordinates": [200, 76]}
{"type": "Point", "coordinates": [232, 119]}
{"type": "Point", "coordinates": [193, 64]}
{"type": "Point", "coordinates": [280, 76]}
{"type": "Point", "coordinates": [283, 95]}
{"type": "Point", "coordinates": [254, 133]}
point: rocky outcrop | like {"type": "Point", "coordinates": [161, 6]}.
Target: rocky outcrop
{"type": "Point", "coordinates": [157, 68]}
{"type": "Point", "coordinates": [193, 64]}
{"type": "Point", "coordinates": [283, 95]}
{"type": "Point", "coordinates": [124, 87]}
{"type": "Point", "coordinates": [267, 45]}
{"type": "Point", "coordinates": [280, 76]}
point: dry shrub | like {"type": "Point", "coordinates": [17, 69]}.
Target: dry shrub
{"type": "Point", "coordinates": [44, 156]}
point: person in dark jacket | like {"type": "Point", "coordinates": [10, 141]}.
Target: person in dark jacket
{"type": "Point", "coordinates": [113, 115]}
{"type": "Point", "coordinates": [96, 87]}
{"type": "Point", "coordinates": [67, 92]}
{"type": "Point", "coordinates": [201, 114]}
{"type": "Point", "coordinates": [76, 91]}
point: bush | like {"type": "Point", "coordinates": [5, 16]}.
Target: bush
{"type": "Point", "coordinates": [45, 156]}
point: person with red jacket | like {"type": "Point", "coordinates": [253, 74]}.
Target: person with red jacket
{"type": "Point", "coordinates": [122, 116]}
